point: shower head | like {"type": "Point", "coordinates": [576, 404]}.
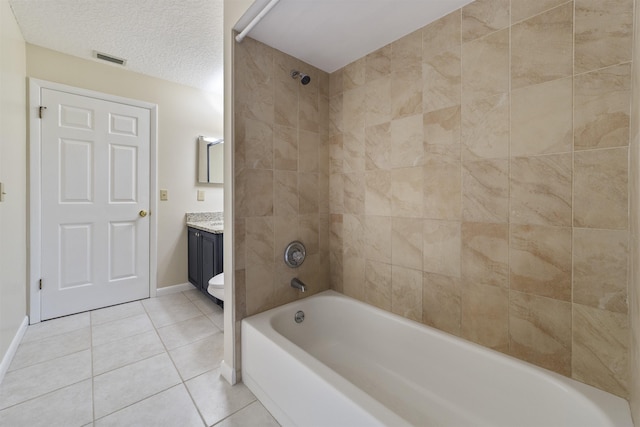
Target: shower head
{"type": "Point", "coordinates": [304, 79]}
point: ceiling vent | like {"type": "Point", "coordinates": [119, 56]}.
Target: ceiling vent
{"type": "Point", "coordinates": [110, 58]}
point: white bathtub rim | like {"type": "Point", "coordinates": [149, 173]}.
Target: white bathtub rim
{"type": "Point", "coordinates": [324, 374]}
{"type": "Point", "coordinates": [373, 408]}
{"type": "Point", "coordinates": [614, 408]}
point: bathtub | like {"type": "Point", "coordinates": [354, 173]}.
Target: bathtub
{"type": "Point", "coordinates": [351, 364]}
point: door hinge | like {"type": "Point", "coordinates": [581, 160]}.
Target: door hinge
{"type": "Point", "coordinates": [40, 110]}
{"type": "Point", "coordinates": [40, 284]}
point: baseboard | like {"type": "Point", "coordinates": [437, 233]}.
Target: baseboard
{"type": "Point", "coordinates": [174, 289]}
{"type": "Point", "coordinates": [228, 373]}
{"type": "Point", "coordinates": [13, 347]}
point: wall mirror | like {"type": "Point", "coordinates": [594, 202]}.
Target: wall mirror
{"type": "Point", "coordinates": [210, 160]}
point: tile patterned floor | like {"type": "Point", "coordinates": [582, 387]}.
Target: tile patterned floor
{"type": "Point", "coordinates": [147, 363]}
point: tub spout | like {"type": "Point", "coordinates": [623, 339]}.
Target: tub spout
{"type": "Point", "coordinates": [297, 283]}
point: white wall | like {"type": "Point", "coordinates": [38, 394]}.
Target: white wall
{"type": "Point", "coordinates": [183, 114]}
{"type": "Point", "coordinates": [13, 173]}
{"type": "Point", "coordinates": [233, 10]}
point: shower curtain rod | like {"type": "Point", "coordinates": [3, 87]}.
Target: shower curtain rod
{"type": "Point", "coordinates": [255, 20]}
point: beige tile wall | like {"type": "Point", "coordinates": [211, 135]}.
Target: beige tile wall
{"type": "Point", "coordinates": [471, 175]}
{"type": "Point", "coordinates": [281, 164]}
{"type": "Point", "coordinates": [634, 200]}
{"type": "Point", "coordinates": [479, 181]}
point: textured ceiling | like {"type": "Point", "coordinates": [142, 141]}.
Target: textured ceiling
{"type": "Point", "coordinates": [175, 40]}
{"type": "Point", "coordinates": [330, 34]}
{"type": "Point", "coordinates": [182, 40]}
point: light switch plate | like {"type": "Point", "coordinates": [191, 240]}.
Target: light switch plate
{"type": "Point", "coordinates": [201, 195]}
{"type": "Point", "coordinates": [164, 195]}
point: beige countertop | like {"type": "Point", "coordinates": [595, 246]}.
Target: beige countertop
{"type": "Point", "coordinates": [211, 222]}
{"type": "Point", "coordinates": [215, 227]}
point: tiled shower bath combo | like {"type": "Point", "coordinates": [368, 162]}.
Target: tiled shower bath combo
{"type": "Point", "coordinates": [472, 176]}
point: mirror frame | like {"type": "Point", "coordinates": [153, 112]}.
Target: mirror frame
{"type": "Point", "coordinates": [210, 160]}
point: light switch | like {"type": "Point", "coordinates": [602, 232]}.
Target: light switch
{"type": "Point", "coordinates": [164, 195]}
{"type": "Point", "coordinates": [201, 195]}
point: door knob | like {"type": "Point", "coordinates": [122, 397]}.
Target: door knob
{"type": "Point", "coordinates": [142, 213]}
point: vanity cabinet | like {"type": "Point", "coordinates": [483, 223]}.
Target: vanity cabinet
{"type": "Point", "coordinates": [204, 257]}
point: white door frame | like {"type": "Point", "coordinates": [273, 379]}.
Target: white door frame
{"type": "Point", "coordinates": [35, 208]}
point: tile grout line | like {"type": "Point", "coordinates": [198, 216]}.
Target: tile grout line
{"type": "Point", "coordinates": [183, 381]}
{"type": "Point", "coordinates": [135, 403]}
{"type": "Point", "coordinates": [29, 340]}
{"type": "Point", "coordinates": [44, 394]}
{"type": "Point", "coordinates": [47, 361]}
{"type": "Point", "coordinates": [166, 351]}
{"type": "Point", "coordinates": [54, 358]}
{"type": "Point", "coordinates": [121, 338]}
{"type": "Point", "coordinates": [91, 352]}
{"type": "Point", "coordinates": [119, 318]}
{"type": "Point", "coordinates": [241, 409]}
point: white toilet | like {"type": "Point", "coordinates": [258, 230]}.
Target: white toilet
{"type": "Point", "coordinates": [216, 286]}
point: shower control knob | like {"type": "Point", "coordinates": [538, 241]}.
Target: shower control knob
{"type": "Point", "coordinates": [294, 254]}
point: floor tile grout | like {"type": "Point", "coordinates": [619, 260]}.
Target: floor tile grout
{"type": "Point", "coordinates": [46, 394]}
{"type": "Point", "coordinates": [232, 414]}
{"type": "Point", "coordinates": [184, 382]}
{"type": "Point", "coordinates": [176, 367]}
{"type": "Point", "coordinates": [135, 403]}
{"type": "Point", "coordinates": [190, 373]}
{"type": "Point", "coordinates": [48, 360]}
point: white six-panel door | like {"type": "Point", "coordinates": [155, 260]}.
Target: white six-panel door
{"type": "Point", "coordinates": [94, 201]}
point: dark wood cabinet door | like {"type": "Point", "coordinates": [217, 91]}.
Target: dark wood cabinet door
{"type": "Point", "coordinates": [193, 255]}
{"type": "Point", "coordinates": [218, 254]}
{"type": "Point", "coordinates": [204, 257]}
{"type": "Point", "coordinates": [208, 258]}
